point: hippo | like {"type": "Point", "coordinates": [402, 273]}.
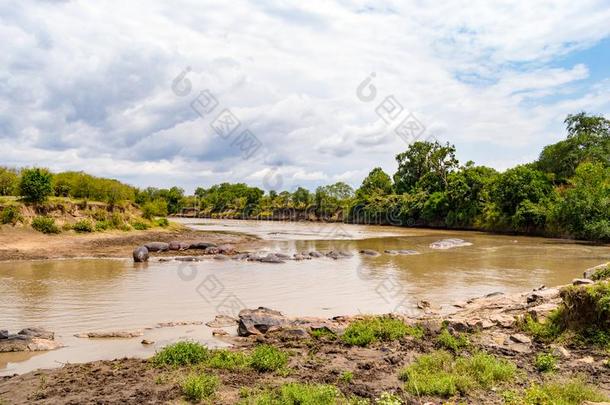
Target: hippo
{"type": "Point", "coordinates": [157, 246]}
{"type": "Point", "coordinates": [140, 254]}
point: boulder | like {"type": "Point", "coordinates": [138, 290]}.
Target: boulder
{"type": "Point", "coordinates": [520, 338]}
{"type": "Point", "coordinates": [147, 342]}
{"type": "Point", "coordinates": [582, 281]}
{"type": "Point", "coordinates": [3, 334]}
{"type": "Point", "coordinates": [369, 252]}
{"type": "Point", "coordinates": [259, 321]}
{"type": "Point", "coordinates": [592, 270]}
{"type": "Point", "coordinates": [37, 333]}
{"type": "Point", "coordinates": [221, 321]}
{"type": "Point", "coordinates": [315, 254]}
{"type": "Point", "coordinates": [201, 245]}
{"type": "Point", "coordinates": [407, 252]}
{"type": "Point", "coordinates": [28, 340]}
{"type": "Point", "coordinates": [140, 254]}
{"type": "Point", "coordinates": [157, 246]}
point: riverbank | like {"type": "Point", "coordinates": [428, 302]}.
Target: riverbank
{"type": "Point", "coordinates": [22, 243]}
{"type": "Point", "coordinates": [493, 349]}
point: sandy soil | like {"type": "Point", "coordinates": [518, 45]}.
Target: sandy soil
{"type": "Point", "coordinates": [26, 244]}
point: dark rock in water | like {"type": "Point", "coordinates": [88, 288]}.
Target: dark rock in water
{"type": "Point", "coordinates": [157, 246]}
{"type": "Point", "coordinates": [37, 333]}
{"type": "Point", "coordinates": [147, 342]}
{"type": "Point", "coordinates": [176, 245]}
{"type": "Point", "coordinates": [369, 252]}
{"type": "Point", "coordinates": [140, 254]}
{"type": "Point", "coordinates": [201, 245]}
{"type": "Point", "coordinates": [259, 321]}
{"type": "Point", "coordinates": [3, 334]}
{"type": "Point", "coordinates": [315, 254]}
{"type": "Point", "coordinates": [391, 252]}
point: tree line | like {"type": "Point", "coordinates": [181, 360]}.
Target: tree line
{"type": "Point", "coordinates": [565, 192]}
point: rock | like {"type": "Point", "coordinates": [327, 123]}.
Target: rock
{"type": "Point", "coordinates": [140, 254]}
{"type": "Point", "coordinates": [111, 334]}
{"type": "Point", "coordinates": [451, 243]}
{"type": "Point", "coordinates": [42, 345]}
{"type": "Point", "coordinates": [315, 254]}
{"type": "Point", "coordinates": [494, 294]}
{"type": "Point", "coordinates": [296, 332]}
{"type": "Point", "coordinates": [504, 321]}
{"type": "Point", "coordinates": [221, 321]}
{"type": "Point", "coordinates": [423, 304]}
{"type": "Point", "coordinates": [520, 338]}
{"type": "Point", "coordinates": [201, 245]}
{"type": "Point", "coordinates": [176, 245]}
{"type": "Point", "coordinates": [592, 270]}
{"type": "Point", "coordinates": [37, 333]}
{"type": "Point", "coordinates": [582, 281]}
{"type": "Point", "coordinates": [219, 332]}
{"type": "Point", "coordinates": [178, 323]}
{"type": "Point", "coordinates": [407, 252]}
{"type": "Point", "coordinates": [3, 334]}
{"type": "Point", "coordinates": [157, 246]}
{"type": "Point", "coordinates": [542, 311]}
{"type": "Point", "coordinates": [333, 255]}
{"type": "Point", "coordinates": [345, 253]}
{"type": "Point", "coordinates": [147, 342]}
{"type": "Point", "coordinates": [259, 321]}
{"type": "Point", "coordinates": [587, 360]}
{"type": "Point", "coordinates": [369, 252]}
{"type": "Point", "coordinates": [540, 287]}
{"type": "Point", "coordinates": [391, 252]}
{"type": "Point", "coordinates": [561, 352]}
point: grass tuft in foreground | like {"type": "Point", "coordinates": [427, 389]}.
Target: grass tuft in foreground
{"type": "Point", "coordinates": [181, 354]}
{"type": "Point", "coordinates": [545, 362]}
{"type": "Point", "coordinates": [197, 387]}
{"type": "Point", "coordinates": [268, 358]}
{"type": "Point", "coordinates": [373, 329]}
{"type": "Point", "coordinates": [302, 394]}
{"type": "Point", "coordinates": [559, 392]}
{"type": "Point", "coordinates": [452, 342]}
{"type": "Point", "coordinates": [440, 373]}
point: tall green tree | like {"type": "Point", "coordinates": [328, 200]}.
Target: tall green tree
{"type": "Point", "coordinates": [9, 181]}
{"type": "Point", "coordinates": [377, 183]}
{"type": "Point", "coordinates": [36, 184]}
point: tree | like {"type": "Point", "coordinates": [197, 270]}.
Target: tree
{"type": "Point", "coordinates": [377, 183]}
{"type": "Point", "coordinates": [426, 165]}
{"type": "Point", "coordinates": [301, 198]}
{"type": "Point", "coordinates": [36, 184]}
{"type": "Point", "coordinates": [9, 181]}
{"type": "Point", "coordinates": [588, 141]}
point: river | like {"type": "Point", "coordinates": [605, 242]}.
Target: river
{"type": "Point", "coordinates": [83, 295]}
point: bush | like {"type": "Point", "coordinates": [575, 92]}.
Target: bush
{"type": "Point", "coordinates": [601, 274]}
{"type": "Point", "coordinates": [268, 358]}
{"type": "Point", "coordinates": [83, 226]}
{"type": "Point", "coordinates": [140, 225]}
{"type": "Point", "coordinates": [452, 342]}
{"type": "Point", "coordinates": [323, 333]}
{"type": "Point", "coordinates": [545, 362]}
{"type": "Point", "coordinates": [228, 360]}
{"type": "Point", "coordinates": [181, 354]}
{"type": "Point", "coordinates": [196, 387]}
{"type": "Point", "coordinates": [546, 331]}
{"type": "Point", "coordinates": [372, 329]}
{"type": "Point", "coordinates": [297, 393]}
{"type": "Point", "coordinates": [439, 373]}
{"type": "Point", "coordinates": [10, 215]}
{"type": "Point", "coordinates": [45, 225]}
{"type": "Point", "coordinates": [102, 225]}
{"type": "Point", "coordinates": [36, 184]}
{"type": "Point", "coordinates": [346, 377]}
{"type": "Point", "coordinates": [568, 392]}
{"type": "Point", "coordinates": [162, 222]}
{"type": "Point", "coordinates": [156, 208]}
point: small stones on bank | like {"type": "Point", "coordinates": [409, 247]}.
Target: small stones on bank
{"type": "Point", "coordinates": [147, 342]}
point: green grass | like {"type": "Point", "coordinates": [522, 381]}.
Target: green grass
{"type": "Point", "coordinates": [227, 360]}
{"type": "Point", "coordinates": [45, 224]}
{"type": "Point", "coordinates": [372, 329]}
{"type": "Point", "coordinates": [323, 333]}
{"type": "Point", "coordinates": [346, 377]}
{"type": "Point", "coordinates": [545, 362]}
{"type": "Point", "coordinates": [268, 358]}
{"type": "Point", "coordinates": [83, 226]}
{"type": "Point", "coordinates": [197, 387]}
{"type": "Point", "coordinates": [387, 398]}
{"type": "Point", "coordinates": [10, 215]}
{"type": "Point", "coordinates": [546, 331]}
{"type": "Point", "coordinates": [601, 274]}
{"type": "Point", "coordinates": [181, 354]}
{"type": "Point", "coordinates": [560, 392]}
{"type": "Point", "coordinates": [440, 373]}
{"type": "Point", "coordinates": [297, 394]}
{"type": "Point", "coordinates": [452, 342]}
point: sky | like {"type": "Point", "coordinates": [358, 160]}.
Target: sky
{"type": "Point", "coordinates": [284, 94]}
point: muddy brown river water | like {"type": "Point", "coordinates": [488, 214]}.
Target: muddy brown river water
{"type": "Point", "coordinates": [74, 296]}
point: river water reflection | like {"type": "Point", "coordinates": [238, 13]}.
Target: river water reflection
{"type": "Point", "coordinates": [72, 296]}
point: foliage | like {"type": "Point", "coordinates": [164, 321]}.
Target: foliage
{"type": "Point", "coordinates": [546, 331]}
{"type": "Point", "coordinates": [196, 387]}
{"type": "Point", "coordinates": [155, 208]}
{"type": "Point", "coordinates": [45, 224]}
{"type": "Point", "coordinates": [323, 333]}
{"type": "Point", "coordinates": [10, 215]}
{"type": "Point", "coordinates": [346, 377]}
{"type": "Point", "coordinates": [227, 360]}
{"type": "Point", "coordinates": [181, 354]}
{"type": "Point", "coordinates": [139, 225]}
{"type": "Point", "coordinates": [297, 394]}
{"type": "Point", "coordinates": [36, 184]}
{"type": "Point", "coordinates": [601, 274]}
{"type": "Point", "coordinates": [562, 392]}
{"type": "Point", "coordinates": [545, 362]}
{"type": "Point", "coordinates": [452, 342]}
{"type": "Point", "coordinates": [439, 373]}
{"type": "Point", "coordinates": [371, 329]}
{"type": "Point", "coordinates": [387, 398]}
{"type": "Point", "coordinates": [83, 226]}
{"type": "Point", "coordinates": [162, 222]}
{"type": "Point", "coordinates": [86, 186]}
{"type": "Point", "coordinates": [268, 358]}
{"type": "Point", "coordinates": [9, 181]}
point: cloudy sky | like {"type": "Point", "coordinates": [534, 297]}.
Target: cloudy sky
{"type": "Point", "coordinates": [96, 85]}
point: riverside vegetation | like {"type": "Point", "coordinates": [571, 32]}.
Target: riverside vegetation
{"type": "Point", "coordinates": [565, 193]}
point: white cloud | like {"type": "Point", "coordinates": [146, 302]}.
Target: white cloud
{"type": "Point", "coordinates": [87, 85]}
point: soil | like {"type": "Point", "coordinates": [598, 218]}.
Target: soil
{"type": "Point", "coordinates": [21, 243]}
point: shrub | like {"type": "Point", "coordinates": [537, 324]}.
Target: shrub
{"type": "Point", "coordinates": [196, 387]}
{"type": "Point", "coordinates": [181, 354]}
{"type": "Point", "coordinates": [45, 224]}
{"type": "Point", "coordinates": [323, 333]}
{"type": "Point", "coordinates": [227, 360]}
{"type": "Point", "coordinates": [601, 274]}
{"type": "Point", "coordinates": [102, 225]}
{"type": "Point", "coordinates": [586, 307]}
{"type": "Point", "coordinates": [452, 342]}
{"type": "Point", "coordinates": [297, 393]}
{"type": "Point", "coordinates": [82, 226]}
{"type": "Point", "coordinates": [565, 392]}
{"type": "Point", "coordinates": [162, 222]}
{"type": "Point", "coordinates": [116, 220]}
{"type": "Point", "coordinates": [546, 331]}
{"type": "Point", "coordinates": [346, 377]}
{"type": "Point", "coordinates": [35, 185]}
{"type": "Point", "coordinates": [156, 208]}
{"type": "Point", "coordinates": [372, 329]}
{"type": "Point", "coordinates": [268, 358]}
{"type": "Point", "coordinates": [545, 362]}
{"type": "Point", "coordinates": [10, 215]}
{"type": "Point", "coordinates": [439, 373]}
{"type": "Point", "coordinates": [140, 225]}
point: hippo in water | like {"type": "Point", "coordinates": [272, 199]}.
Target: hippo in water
{"type": "Point", "coordinates": [140, 254]}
